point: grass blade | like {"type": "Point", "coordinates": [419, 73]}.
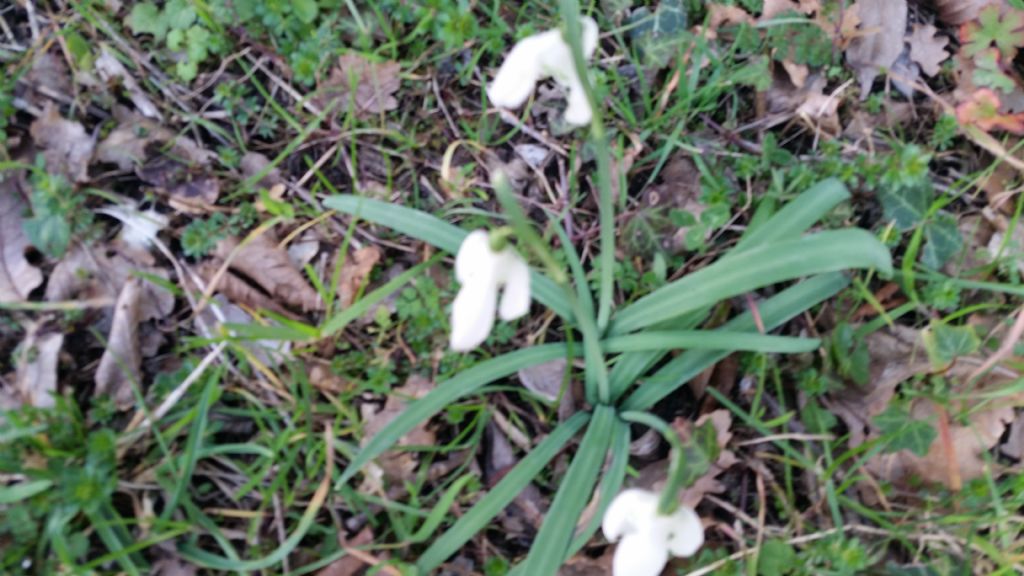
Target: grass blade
{"type": "Point", "coordinates": [755, 268]}
{"type": "Point", "coordinates": [551, 546]}
{"type": "Point", "coordinates": [610, 485]}
{"type": "Point", "coordinates": [710, 340]}
{"type": "Point", "coordinates": [502, 494]}
{"type": "Point", "coordinates": [774, 312]}
{"type": "Point", "coordinates": [797, 215]}
{"type": "Point", "coordinates": [465, 383]}
{"type": "Point", "coordinates": [439, 233]}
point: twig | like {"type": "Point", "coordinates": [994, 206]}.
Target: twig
{"type": "Point", "coordinates": [1005, 349]}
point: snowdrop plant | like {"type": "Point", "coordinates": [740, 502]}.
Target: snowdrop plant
{"type": "Point", "coordinates": [635, 342]}
{"type": "Point", "coordinates": [546, 55]}
{"type": "Point", "coordinates": [647, 535]}
{"type": "Point", "coordinates": [483, 270]}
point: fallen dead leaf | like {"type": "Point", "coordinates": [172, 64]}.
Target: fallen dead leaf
{"type": "Point", "coordinates": [773, 8]}
{"type": "Point", "coordinates": [957, 12]}
{"type": "Point", "coordinates": [95, 274]}
{"type": "Point", "coordinates": [136, 139]}
{"type": "Point", "coordinates": [397, 464]}
{"type": "Point", "coordinates": [355, 273]}
{"type": "Point", "coordinates": [722, 15]}
{"type": "Point", "coordinates": [110, 70]}
{"type": "Point", "coordinates": [544, 380]}
{"type": "Point", "coordinates": [270, 353]}
{"type": "Point", "coordinates": [120, 366]}
{"type": "Point", "coordinates": [349, 565]}
{"type": "Point", "coordinates": [190, 190]}
{"type": "Point", "coordinates": [880, 43]}
{"type": "Point", "coordinates": [37, 369]}
{"type": "Point", "coordinates": [66, 146]}
{"type": "Point", "coordinates": [18, 278]}
{"type": "Point", "coordinates": [48, 77]}
{"type": "Point", "coordinates": [983, 110]}
{"type": "Point", "coordinates": [268, 265]}
{"type": "Point", "coordinates": [253, 163]}
{"type": "Point", "coordinates": [525, 514]}
{"type": "Point", "coordinates": [1014, 445]}
{"type": "Point", "coordinates": [237, 289]}
{"type": "Point", "coordinates": [368, 87]}
{"type": "Point", "coordinates": [927, 48]}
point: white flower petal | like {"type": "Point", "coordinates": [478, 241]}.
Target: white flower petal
{"type": "Point", "coordinates": [475, 257]}
{"type": "Point", "coordinates": [639, 554]}
{"type": "Point", "coordinates": [515, 299]}
{"type": "Point", "coordinates": [473, 314]}
{"type": "Point", "coordinates": [590, 34]}
{"type": "Point", "coordinates": [139, 228]}
{"type": "Point", "coordinates": [629, 512]}
{"type": "Point", "coordinates": [684, 531]}
{"type": "Point", "coordinates": [520, 71]}
{"type": "Point", "coordinates": [578, 112]}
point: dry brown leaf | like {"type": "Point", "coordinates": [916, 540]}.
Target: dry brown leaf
{"type": "Point", "coordinates": [545, 379]}
{"type": "Point", "coordinates": [36, 379]}
{"type": "Point", "coordinates": [355, 273]}
{"type": "Point", "coordinates": [270, 353]}
{"type": "Point", "coordinates": [237, 289]}
{"type": "Point", "coordinates": [92, 274]}
{"type": "Point", "coordinates": [797, 72]}
{"type": "Point", "coordinates": [110, 70]}
{"type": "Point", "coordinates": [48, 77]}
{"type": "Point", "coordinates": [928, 49]}
{"type": "Point", "coordinates": [66, 145]}
{"type": "Point", "coordinates": [368, 87]}
{"type": "Point", "coordinates": [120, 366]}
{"type": "Point", "coordinates": [349, 565]}
{"type": "Point", "coordinates": [1014, 446]}
{"type": "Point", "coordinates": [720, 15]}
{"type": "Point", "coordinates": [18, 278]}
{"type": "Point", "coordinates": [957, 12]}
{"type": "Point", "coordinates": [880, 43]}
{"type": "Point", "coordinates": [396, 464]}
{"type": "Point", "coordinates": [773, 8]}
{"type": "Point", "coordinates": [968, 446]}
{"type": "Point", "coordinates": [269, 266]}
{"type": "Point", "coordinates": [136, 139]}
{"type": "Point", "coordinates": [253, 163]}
{"type": "Point", "coordinates": [191, 190]}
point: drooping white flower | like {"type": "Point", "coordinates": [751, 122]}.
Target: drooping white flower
{"type": "Point", "coordinates": [482, 273]}
{"type": "Point", "coordinates": [545, 55]}
{"type": "Point", "coordinates": [647, 538]}
{"type": "Point", "coordinates": [139, 228]}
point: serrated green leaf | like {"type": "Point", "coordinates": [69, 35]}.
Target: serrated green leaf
{"type": "Point", "coordinates": [994, 27]}
{"type": "Point", "coordinates": [306, 10]}
{"type": "Point", "coordinates": [817, 419]}
{"type": "Point", "coordinates": [776, 558]}
{"type": "Point", "coordinates": [942, 240]}
{"type": "Point", "coordinates": [988, 72]}
{"type": "Point", "coordinates": [179, 14]}
{"type": "Point", "coordinates": [906, 205]}
{"type": "Point", "coordinates": [904, 433]}
{"type": "Point", "coordinates": [945, 343]}
{"type": "Point", "coordinates": [145, 18]}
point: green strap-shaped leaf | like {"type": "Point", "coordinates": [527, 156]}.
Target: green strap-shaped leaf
{"type": "Point", "coordinates": [465, 383]}
{"type": "Point", "coordinates": [797, 216]}
{"type": "Point", "coordinates": [610, 485]}
{"type": "Point", "coordinates": [710, 340]}
{"type": "Point", "coordinates": [437, 232]}
{"type": "Point", "coordinates": [774, 312]}
{"type": "Point", "coordinates": [758, 267]}
{"type": "Point", "coordinates": [502, 494]}
{"type": "Point", "coordinates": [551, 546]}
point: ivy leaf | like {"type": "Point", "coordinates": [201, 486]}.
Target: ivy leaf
{"type": "Point", "coordinates": [906, 204]}
{"type": "Point", "coordinates": [657, 35]}
{"type": "Point", "coordinates": [699, 453]}
{"type": "Point", "coordinates": [945, 343]}
{"type": "Point", "coordinates": [777, 558]}
{"type": "Point", "coordinates": [942, 240]}
{"type": "Point", "coordinates": [1003, 29]}
{"type": "Point", "coordinates": [145, 18]}
{"type": "Point", "coordinates": [904, 433]}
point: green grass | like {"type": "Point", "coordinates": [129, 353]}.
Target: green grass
{"type": "Point", "coordinates": [260, 468]}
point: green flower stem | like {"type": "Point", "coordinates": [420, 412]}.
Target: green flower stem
{"type": "Point", "coordinates": [669, 501]}
{"type": "Point", "coordinates": [570, 10]}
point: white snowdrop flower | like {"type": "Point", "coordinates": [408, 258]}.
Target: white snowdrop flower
{"type": "Point", "coordinates": [482, 273]}
{"type": "Point", "coordinates": [139, 228]}
{"type": "Point", "coordinates": [545, 55]}
{"type": "Point", "coordinates": [647, 538]}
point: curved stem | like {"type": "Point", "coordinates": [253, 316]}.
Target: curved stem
{"type": "Point", "coordinates": [669, 501]}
